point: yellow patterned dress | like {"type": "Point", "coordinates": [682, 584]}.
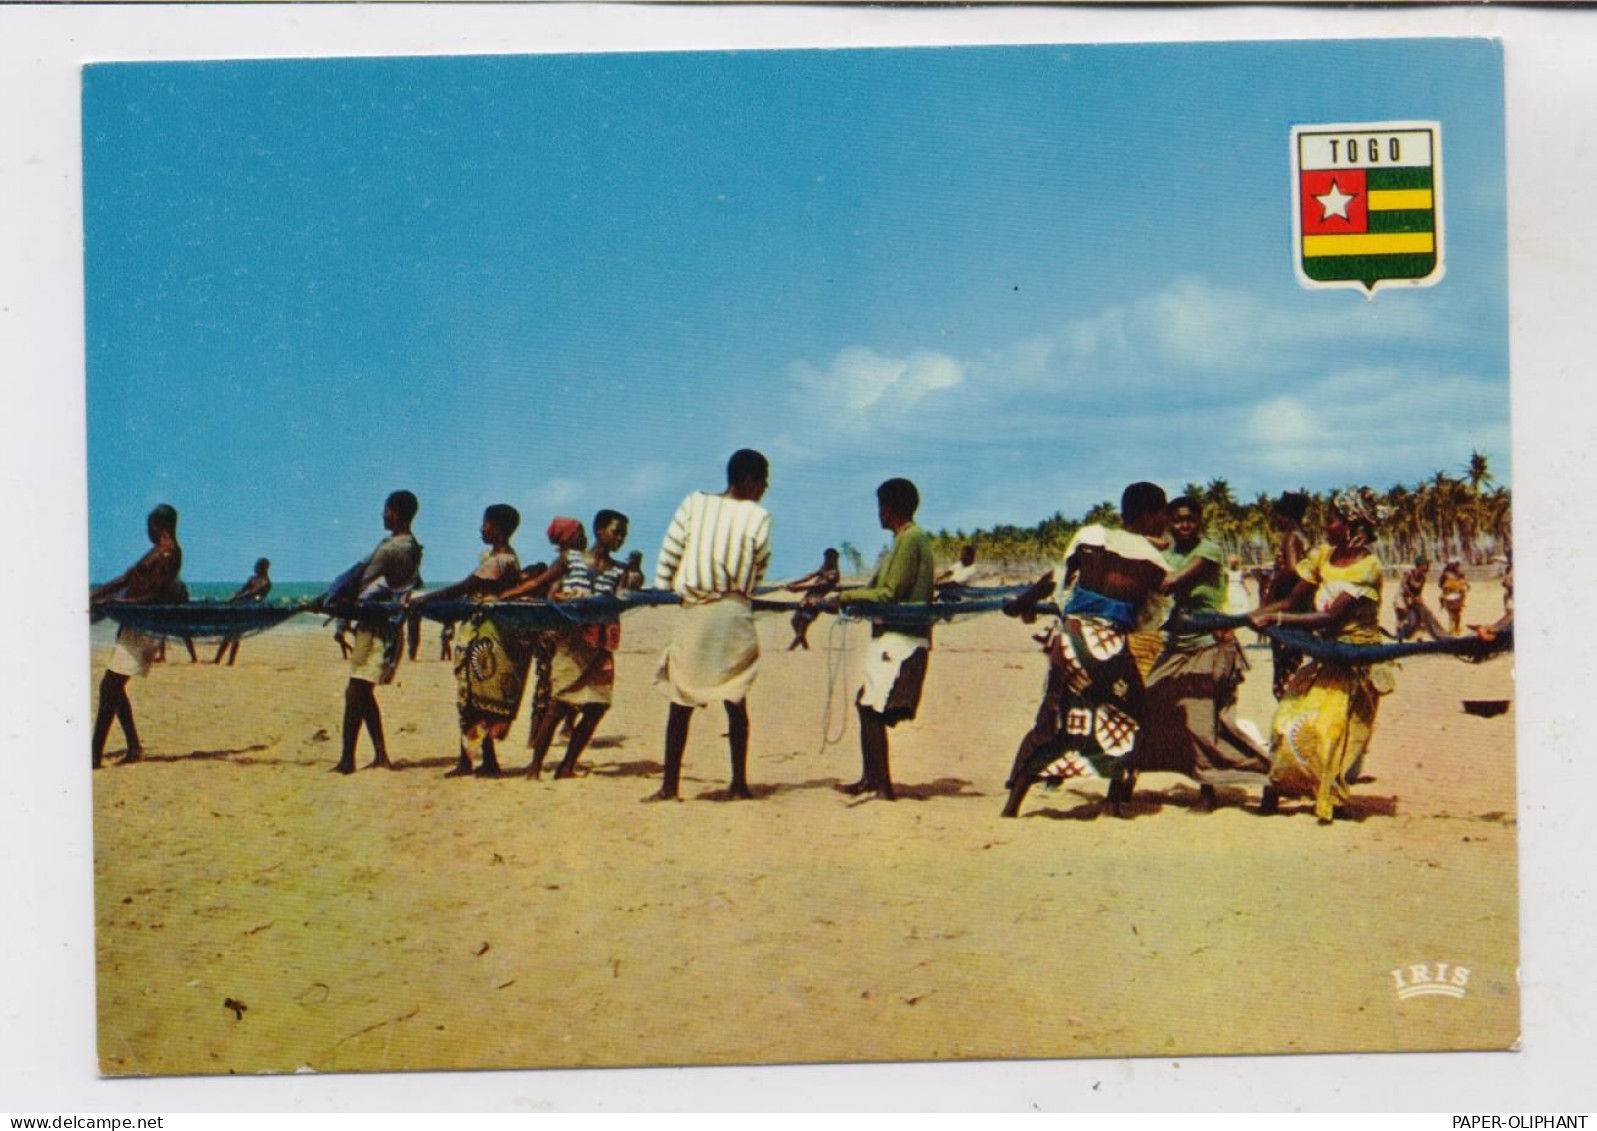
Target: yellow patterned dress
{"type": "Point", "coordinates": [1323, 725]}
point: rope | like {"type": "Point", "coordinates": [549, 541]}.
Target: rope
{"type": "Point", "coordinates": [836, 675]}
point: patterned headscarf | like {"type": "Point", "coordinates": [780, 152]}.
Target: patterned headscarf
{"type": "Point", "coordinates": [1360, 505]}
{"type": "Point", "coordinates": [563, 531]}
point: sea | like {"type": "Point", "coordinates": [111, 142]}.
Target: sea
{"type": "Point", "coordinates": [283, 592]}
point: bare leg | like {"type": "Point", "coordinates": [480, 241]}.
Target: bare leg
{"type": "Point", "coordinates": [222, 651]}
{"type": "Point", "coordinates": [1121, 787]}
{"type": "Point", "coordinates": [194, 657]}
{"type": "Point", "coordinates": [113, 698]}
{"type": "Point", "coordinates": [873, 752]}
{"type": "Point", "coordinates": [867, 779]}
{"type": "Point", "coordinates": [463, 766]}
{"type": "Point", "coordinates": [737, 720]}
{"type": "Point", "coordinates": [581, 734]}
{"type": "Point", "coordinates": [356, 692]}
{"type": "Point", "coordinates": [374, 727]}
{"type": "Point", "coordinates": [543, 736]}
{"type": "Point", "coordinates": [232, 655]}
{"type": "Point", "coordinates": [490, 761]}
{"type": "Point", "coordinates": [676, 742]}
{"type": "Point", "coordinates": [124, 715]}
{"type": "Point", "coordinates": [1019, 786]}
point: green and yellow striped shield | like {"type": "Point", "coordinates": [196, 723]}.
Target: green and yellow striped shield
{"type": "Point", "coordinates": [1367, 204]}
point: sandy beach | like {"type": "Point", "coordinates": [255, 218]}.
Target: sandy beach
{"type": "Point", "coordinates": [396, 920]}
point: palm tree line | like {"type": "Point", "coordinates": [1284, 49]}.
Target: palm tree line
{"type": "Point", "coordinates": [1465, 516]}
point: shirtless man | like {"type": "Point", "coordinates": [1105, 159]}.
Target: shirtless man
{"type": "Point", "coordinates": [1411, 611]}
{"type": "Point", "coordinates": [390, 573]}
{"type": "Point", "coordinates": [814, 586]}
{"type": "Point", "coordinates": [153, 579]}
{"type": "Point", "coordinates": [252, 591]}
{"type": "Point", "coordinates": [1090, 717]}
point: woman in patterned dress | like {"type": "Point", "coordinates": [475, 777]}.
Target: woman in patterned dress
{"type": "Point", "coordinates": [490, 664]}
{"type": "Point", "coordinates": [582, 666]}
{"type": "Point", "coordinates": [1323, 726]}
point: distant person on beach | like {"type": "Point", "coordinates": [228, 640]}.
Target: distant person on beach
{"type": "Point", "coordinates": [895, 666]}
{"type": "Point", "coordinates": [1505, 622]}
{"type": "Point", "coordinates": [1412, 612]}
{"type": "Point", "coordinates": [569, 539]}
{"type": "Point", "coordinates": [714, 557]}
{"type": "Point", "coordinates": [388, 575]}
{"type": "Point", "coordinates": [634, 567]}
{"type": "Point", "coordinates": [446, 641]}
{"type": "Point", "coordinates": [252, 592]}
{"type": "Point", "coordinates": [413, 628]}
{"type": "Point", "coordinates": [491, 662]}
{"type": "Point", "coordinates": [961, 575]}
{"type": "Point", "coordinates": [1236, 590]}
{"type": "Point", "coordinates": [188, 641]}
{"type": "Point", "coordinates": [582, 668]}
{"type": "Point", "coordinates": [1454, 589]}
{"type": "Point", "coordinates": [814, 586]}
{"type": "Point", "coordinates": [152, 580]}
{"type": "Point", "coordinates": [1090, 719]}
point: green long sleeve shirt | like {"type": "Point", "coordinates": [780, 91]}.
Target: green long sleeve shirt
{"type": "Point", "coordinates": [904, 578]}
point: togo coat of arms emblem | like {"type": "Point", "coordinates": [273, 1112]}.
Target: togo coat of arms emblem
{"type": "Point", "coordinates": [1367, 204]}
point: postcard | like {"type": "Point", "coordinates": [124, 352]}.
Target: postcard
{"type": "Point", "coordinates": [787, 556]}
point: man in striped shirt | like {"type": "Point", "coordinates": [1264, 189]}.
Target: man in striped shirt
{"type": "Point", "coordinates": [714, 556]}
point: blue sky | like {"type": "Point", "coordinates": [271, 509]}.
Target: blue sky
{"type": "Point", "coordinates": [1021, 276]}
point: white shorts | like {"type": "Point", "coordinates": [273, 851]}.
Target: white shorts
{"type": "Point", "coordinates": [890, 685]}
{"type": "Point", "coordinates": [133, 653]}
{"type": "Point", "coordinates": [366, 657]}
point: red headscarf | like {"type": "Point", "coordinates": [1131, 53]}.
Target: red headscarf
{"type": "Point", "coordinates": [563, 531]}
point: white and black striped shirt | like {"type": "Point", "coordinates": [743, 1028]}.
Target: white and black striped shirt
{"type": "Point", "coordinates": [716, 545]}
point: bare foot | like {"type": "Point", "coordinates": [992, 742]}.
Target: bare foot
{"type": "Point", "coordinates": [739, 791]}
{"type": "Point", "coordinates": [660, 796]}
{"type": "Point", "coordinates": [344, 768]}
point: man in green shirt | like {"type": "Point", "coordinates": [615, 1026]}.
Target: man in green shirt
{"type": "Point", "coordinates": [895, 668]}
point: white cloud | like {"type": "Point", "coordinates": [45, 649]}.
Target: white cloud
{"type": "Point", "coordinates": [859, 378]}
{"type": "Point", "coordinates": [558, 492]}
{"type": "Point", "coordinates": [1191, 375]}
{"type": "Point", "coordinates": [1193, 324]}
{"type": "Point", "coordinates": [1376, 422]}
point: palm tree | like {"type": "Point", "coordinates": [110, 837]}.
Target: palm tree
{"type": "Point", "coordinates": [1102, 514]}
{"type": "Point", "coordinates": [1479, 474]}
